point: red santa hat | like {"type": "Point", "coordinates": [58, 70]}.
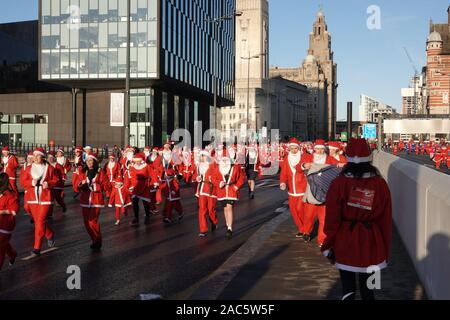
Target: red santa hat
{"type": "Point", "coordinates": [60, 150]}
{"type": "Point", "coordinates": [168, 144]}
{"type": "Point", "coordinates": [39, 152]}
{"type": "Point", "coordinates": [112, 155]}
{"type": "Point", "coordinates": [334, 145]}
{"type": "Point", "coordinates": [213, 153]}
{"type": "Point", "coordinates": [93, 156]}
{"type": "Point", "coordinates": [5, 149]}
{"type": "Point", "coordinates": [139, 156]}
{"type": "Point", "coordinates": [51, 154]}
{"type": "Point", "coordinates": [128, 148]}
{"type": "Point", "coordinates": [79, 149]}
{"type": "Point", "coordinates": [30, 154]}
{"type": "Point", "coordinates": [147, 148]}
{"type": "Point", "coordinates": [319, 144]}
{"type": "Point", "coordinates": [358, 151]}
{"type": "Point", "coordinates": [294, 143]}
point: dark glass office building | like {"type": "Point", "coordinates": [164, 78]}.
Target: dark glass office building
{"type": "Point", "coordinates": [82, 45]}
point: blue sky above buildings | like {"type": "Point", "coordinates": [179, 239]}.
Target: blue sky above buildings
{"type": "Point", "coordinates": [372, 62]}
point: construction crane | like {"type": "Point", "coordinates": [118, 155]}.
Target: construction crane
{"type": "Point", "coordinates": [416, 74]}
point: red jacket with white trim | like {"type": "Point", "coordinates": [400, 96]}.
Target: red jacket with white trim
{"type": "Point", "coordinates": [60, 176]}
{"type": "Point", "coordinates": [205, 187]}
{"type": "Point", "coordinates": [358, 226]}
{"type": "Point", "coordinates": [10, 166]}
{"type": "Point", "coordinates": [91, 189]}
{"type": "Point", "coordinates": [140, 181]}
{"type": "Point", "coordinates": [294, 178]}
{"type": "Point", "coordinates": [120, 194]}
{"type": "Point", "coordinates": [9, 201]}
{"type": "Point", "coordinates": [36, 194]}
{"type": "Point", "coordinates": [235, 181]}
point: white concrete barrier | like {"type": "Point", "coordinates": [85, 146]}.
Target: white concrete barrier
{"type": "Point", "coordinates": [421, 210]}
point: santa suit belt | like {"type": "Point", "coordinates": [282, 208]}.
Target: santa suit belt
{"type": "Point", "coordinates": [353, 224]}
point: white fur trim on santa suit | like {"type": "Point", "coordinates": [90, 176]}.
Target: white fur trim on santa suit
{"type": "Point", "coordinates": [345, 267]}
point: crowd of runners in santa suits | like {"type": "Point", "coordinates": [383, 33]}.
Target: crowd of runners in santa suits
{"type": "Point", "coordinates": [354, 220]}
{"type": "Point", "coordinates": [438, 151]}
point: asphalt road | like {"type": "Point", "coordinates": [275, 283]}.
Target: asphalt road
{"type": "Point", "coordinates": [168, 261]}
{"type": "Point", "coordinates": [423, 160]}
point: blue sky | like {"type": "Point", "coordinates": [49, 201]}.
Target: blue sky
{"type": "Point", "coordinates": [369, 61]}
{"type": "Point", "coordinates": [372, 62]}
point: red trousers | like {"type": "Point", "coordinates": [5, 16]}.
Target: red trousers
{"type": "Point", "coordinates": [13, 185]}
{"type": "Point", "coordinates": [158, 196]}
{"type": "Point", "coordinates": [297, 208]}
{"type": "Point", "coordinates": [311, 213]}
{"type": "Point", "coordinates": [119, 211]}
{"type": "Point", "coordinates": [41, 225]}
{"type": "Point", "coordinates": [6, 248]}
{"type": "Point", "coordinates": [90, 216]}
{"type": "Point", "coordinates": [170, 205]}
{"type": "Point", "coordinates": [206, 208]}
{"type": "Point", "coordinates": [58, 194]}
{"type": "Point", "coordinates": [187, 177]}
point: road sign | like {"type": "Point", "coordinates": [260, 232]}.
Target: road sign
{"type": "Point", "coordinates": [370, 131]}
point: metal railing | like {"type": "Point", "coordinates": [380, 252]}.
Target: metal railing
{"type": "Point", "coordinates": [22, 149]}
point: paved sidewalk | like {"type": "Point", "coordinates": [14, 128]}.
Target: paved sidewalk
{"type": "Point", "coordinates": [285, 268]}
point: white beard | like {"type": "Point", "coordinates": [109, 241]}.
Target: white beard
{"type": "Point", "coordinates": [167, 155]}
{"type": "Point", "coordinates": [294, 159]}
{"type": "Point", "coordinates": [232, 154]}
{"type": "Point", "coordinates": [77, 159]}
{"type": "Point", "coordinates": [111, 165]}
{"type": "Point", "coordinates": [37, 171]}
{"type": "Point", "coordinates": [224, 168]}
{"type": "Point", "coordinates": [153, 157]}
{"type": "Point", "coordinates": [252, 154]}
{"type": "Point", "coordinates": [130, 156]}
{"type": "Point", "coordinates": [320, 158]}
{"type": "Point", "coordinates": [5, 160]}
{"type": "Point", "coordinates": [147, 153]}
{"type": "Point", "coordinates": [61, 160]}
{"type": "Point", "coordinates": [203, 167]}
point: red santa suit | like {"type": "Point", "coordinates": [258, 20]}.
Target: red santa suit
{"type": "Point", "coordinates": [227, 182]}
{"type": "Point", "coordinates": [10, 165]}
{"type": "Point", "coordinates": [22, 176]}
{"type": "Point", "coordinates": [119, 196]}
{"type": "Point", "coordinates": [154, 160]}
{"type": "Point", "coordinates": [358, 227]}
{"type": "Point", "coordinates": [187, 167]}
{"type": "Point", "coordinates": [293, 177]}
{"type": "Point", "coordinates": [92, 201]}
{"type": "Point", "coordinates": [58, 189]}
{"type": "Point", "coordinates": [141, 179]}
{"type": "Point", "coordinates": [313, 211]}
{"type": "Point", "coordinates": [39, 180]}
{"type": "Point", "coordinates": [206, 194]}
{"type": "Point", "coordinates": [9, 202]}
{"type": "Point", "coordinates": [112, 169]}
{"type": "Point", "coordinates": [172, 195]}
{"type": "Point", "coordinates": [65, 163]}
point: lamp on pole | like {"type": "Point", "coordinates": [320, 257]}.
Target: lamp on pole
{"type": "Point", "coordinates": [215, 22]}
{"type": "Point", "coordinates": [127, 81]}
{"type": "Point", "coordinates": [249, 58]}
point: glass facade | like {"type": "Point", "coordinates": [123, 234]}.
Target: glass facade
{"type": "Point", "coordinates": [141, 117]}
{"type": "Point", "coordinates": [86, 39]}
{"type": "Point", "coordinates": [189, 44]}
{"type": "Point", "coordinates": [24, 128]}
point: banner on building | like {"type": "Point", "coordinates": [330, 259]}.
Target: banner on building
{"type": "Point", "coordinates": [117, 109]}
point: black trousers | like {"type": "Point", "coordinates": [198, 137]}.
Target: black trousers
{"type": "Point", "coordinates": [136, 207]}
{"type": "Point", "coordinates": [348, 280]}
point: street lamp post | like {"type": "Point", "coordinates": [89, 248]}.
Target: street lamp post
{"type": "Point", "coordinates": [215, 22]}
{"type": "Point", "coordinates": [128, 76]}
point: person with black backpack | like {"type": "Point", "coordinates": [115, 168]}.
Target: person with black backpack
{"type": "Point", "coordinates": [358, 224]}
